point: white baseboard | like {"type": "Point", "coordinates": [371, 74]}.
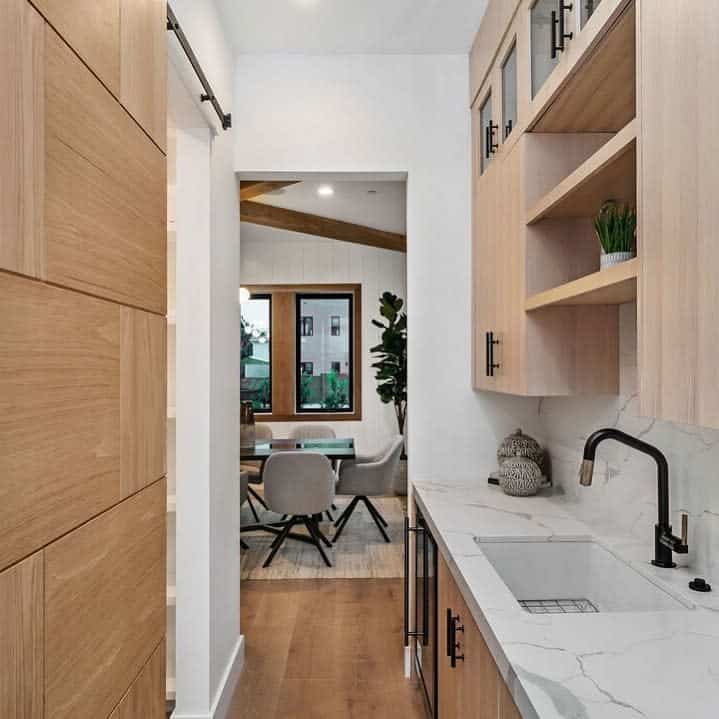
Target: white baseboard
{"type": "Point", "coordinates": [226, 689]}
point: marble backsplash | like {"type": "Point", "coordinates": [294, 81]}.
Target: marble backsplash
{"type": "Point", "coordinates": [624, 494]}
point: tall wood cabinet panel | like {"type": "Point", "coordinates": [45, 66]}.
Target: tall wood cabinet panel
{"type": "Point", "coordinates": [105, 190]}
{"type": "Point", "coordinates": [145, 699]}
{"type": "Point", "coordinates": [22, 38]}
{"type": "Point", "coordinates": [105, 605]}
{"type": "Point", "coordinates": [678, 211]}
{"type": "Point", "coordinates": [143, 71]}
{"type": "Point", "coordinates": [92, 29]}
{"type": "Point", "coordinates": [143, 407]}
{"type": "Point", "coordinates": [59, 412]}
{"type": "Point", "coordinates": [21, 640]}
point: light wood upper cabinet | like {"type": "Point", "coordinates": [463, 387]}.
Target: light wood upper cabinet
{"type": "Point", "coordinates": [21, 640]}
{"type": "Point", "coordinates": [92, 29]}
{"type": "Point", "coordinates": [105, 606]}
{"type": "Point", "coordinates": [143, 70]}
{"type": "Point", "coordinates": [22, 46]}
{"type": "Point", "coordinates": [105, 191]}
{"type": "Point", "coordinates": [679, 213]}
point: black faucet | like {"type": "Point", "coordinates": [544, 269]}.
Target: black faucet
{"type": "Point", "coordinates": [664, 541]}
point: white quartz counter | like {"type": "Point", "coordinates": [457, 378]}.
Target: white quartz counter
{"type": "Point", "coordinates": [614, 665]}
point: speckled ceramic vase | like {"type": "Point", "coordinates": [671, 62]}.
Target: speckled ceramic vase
{"type": "Point", "coordinates": [520, 476]}
{"type": "Point", "coordinates": [520, 445]}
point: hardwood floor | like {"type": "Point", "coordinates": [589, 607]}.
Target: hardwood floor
{"type": "Point", "coordinates": [321, 649]}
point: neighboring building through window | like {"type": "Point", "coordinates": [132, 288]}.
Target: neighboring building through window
{"type": "Point", "coordinates": [335, 326]}
{"type": "Point", "coordinates": [308, 369]}
{"type": "Point", "coordinates": [336, 367]}
{"type": "Point", "coordinates": [256, 352]}
{"type": "Point", "coordinates": [308, 326]}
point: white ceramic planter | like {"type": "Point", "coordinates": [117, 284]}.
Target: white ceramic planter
{"type": "Point", "coordinates": [614, 258]}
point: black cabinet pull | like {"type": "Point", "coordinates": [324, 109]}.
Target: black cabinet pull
{"type": "Point", "coordinates": [508, 129]}
{"type": "Point", "coordinates": [456, 626]}
{"type": "Point", "coordinates": [425, 613]}
{"type": "Point", "coordinates": [490, 146]}
{"type": "Point", "coordinates": [450, 636]}
{"type": "Point", "coordinates": [558, 21]}
{"type": "Point", "coordinates": [489, 353]}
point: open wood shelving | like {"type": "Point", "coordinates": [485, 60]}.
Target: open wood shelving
{"type": "Point", "coordinates": [614, 286]}
{"type": "Point", "coordinates": [610, 173]}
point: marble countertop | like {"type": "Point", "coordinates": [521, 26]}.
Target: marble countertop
{"type": "Point", "coordinates": [613, 665]}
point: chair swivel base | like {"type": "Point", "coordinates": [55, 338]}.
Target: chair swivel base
{"type": "Point", "coordinates": [342, 520]}
{"type": "Point", "coordinates": [316, 537]}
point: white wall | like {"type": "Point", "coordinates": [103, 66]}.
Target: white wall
{"type": "Point", "coordinates": [394, 113]}
{"type": "Point", "coordinates": [271, 256]}
{"type": "Point", "coordinates": [209, 644]}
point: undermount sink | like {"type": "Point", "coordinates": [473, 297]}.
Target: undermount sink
{"type": "Point", "coordinates": [574, 577]}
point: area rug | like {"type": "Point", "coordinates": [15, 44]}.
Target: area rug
{"type": "Point", "coordinates": [360, 553]}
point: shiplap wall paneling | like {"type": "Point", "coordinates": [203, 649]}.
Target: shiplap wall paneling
{"type": "Point", "coordinates": [105, 606]}
{"type": "Point", "coordinates": [105, 190]}
{"type": "Point", "coordinates": [21, 640]}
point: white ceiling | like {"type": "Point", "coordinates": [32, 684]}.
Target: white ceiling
{"type": "Point", "coordinates": [352, 26]}
{"type": "Point", "coordinates": [383, 209]}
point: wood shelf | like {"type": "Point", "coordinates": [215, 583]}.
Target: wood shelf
{"type": "Point", "coordinates": [171, 595]}
{"type": "Point", "coordinates": [171, 503]}
{"type": "Point", "coordinates": [613, 286]}
{"type": "Point", "coordinates": [610, 173]}
{"type": "Point", "coordinates": [170, 689]}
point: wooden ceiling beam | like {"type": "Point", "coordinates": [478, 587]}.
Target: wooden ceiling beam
{"type": "Point", "coordinates": [249, 189]}
{"type": "Point", "coordinates": [258, 213]}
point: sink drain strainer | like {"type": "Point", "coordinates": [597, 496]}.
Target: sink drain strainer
{"type": "Point", "coordinates": [558, 606]}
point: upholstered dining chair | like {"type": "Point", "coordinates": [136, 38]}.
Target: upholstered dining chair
{"type": "Point", "coordinates": [315, 431]}
{"type": "Point", "coordinates": [263, 432]}
{"type": "Point", "coordinates": [300, 485]}
{"type": "Point", "coordinates": [365, 477]}
{"type": "Point", "coordinates": [312, 431]}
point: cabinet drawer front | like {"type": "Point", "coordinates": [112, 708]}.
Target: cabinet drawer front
{"type": "Point", "coordinates": [59, 412]}
{"type": "Point", "coordinates": [21, 640]}
{"type": "Point", "coordinates": [146, 697]}
{"type": "Point", "coordinates": [105, 605]}
{"type": "Point", "coordinates": [105, 190]}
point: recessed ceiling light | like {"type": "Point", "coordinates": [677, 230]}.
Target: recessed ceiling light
{"type": "Point", "coordinates": [325, 191]}
{"type": "Point", "coordinates": [371, 192]}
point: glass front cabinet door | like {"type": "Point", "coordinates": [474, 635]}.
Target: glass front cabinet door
{"type": "Point", "coordinates": [551, 31]}
{"type": "Point", "coordinates": [488, 133]}
{"type": "Point", "coordinates": [509, 93]}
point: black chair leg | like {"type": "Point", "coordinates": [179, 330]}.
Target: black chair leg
{"type": "Point", "coordinates": [315, 534]}
{"type": "Point", "coordinates": [330, 518]}
{"type": "Point", "coordinates": [378, 519]}
{"type": "Point", "coordinates": [321, 534]}
{"type": "Point", "coordinates": [373, 508]}
{"type": "Point", "coordinates": [252, 509]}
{"type": "Point", "coordinates": [341, 523]}
{"type": "Point", "coordinates": [279, 541]}
{"type": "Point", "coordinates": [243, 544]}
{"type": "Point", "coordinates": [258, 497]}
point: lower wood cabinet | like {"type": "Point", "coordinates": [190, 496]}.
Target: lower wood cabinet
{"type": "Point", "coordinates": [146, 697]}
{"type": "Point", "coordinates": [473, 687]}
{"type": "Point", "coordinates": [21, 640]}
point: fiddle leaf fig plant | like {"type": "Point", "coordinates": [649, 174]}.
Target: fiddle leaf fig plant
{"type": "Point", "coordinates": [616, 228]}
{"type": "Point", "coordinates": [391, 356]}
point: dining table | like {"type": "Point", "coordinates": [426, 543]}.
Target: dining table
{"type": "Point", "coordinates": [262, 449]}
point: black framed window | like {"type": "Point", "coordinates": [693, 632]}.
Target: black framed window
{"type": "Point", "coordinates": [256, 352]}
{"type": "Point", "coordinates": [330, 351]}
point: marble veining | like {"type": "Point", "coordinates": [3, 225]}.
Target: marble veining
{"type": "Point", "coordinates": [613, 665]}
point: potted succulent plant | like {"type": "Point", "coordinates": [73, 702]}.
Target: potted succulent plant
{"type": "Point", "coordinates": [616, 229]}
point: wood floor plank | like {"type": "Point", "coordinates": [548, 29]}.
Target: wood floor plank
{"type": "Point", "coordinates": [324, 648]}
